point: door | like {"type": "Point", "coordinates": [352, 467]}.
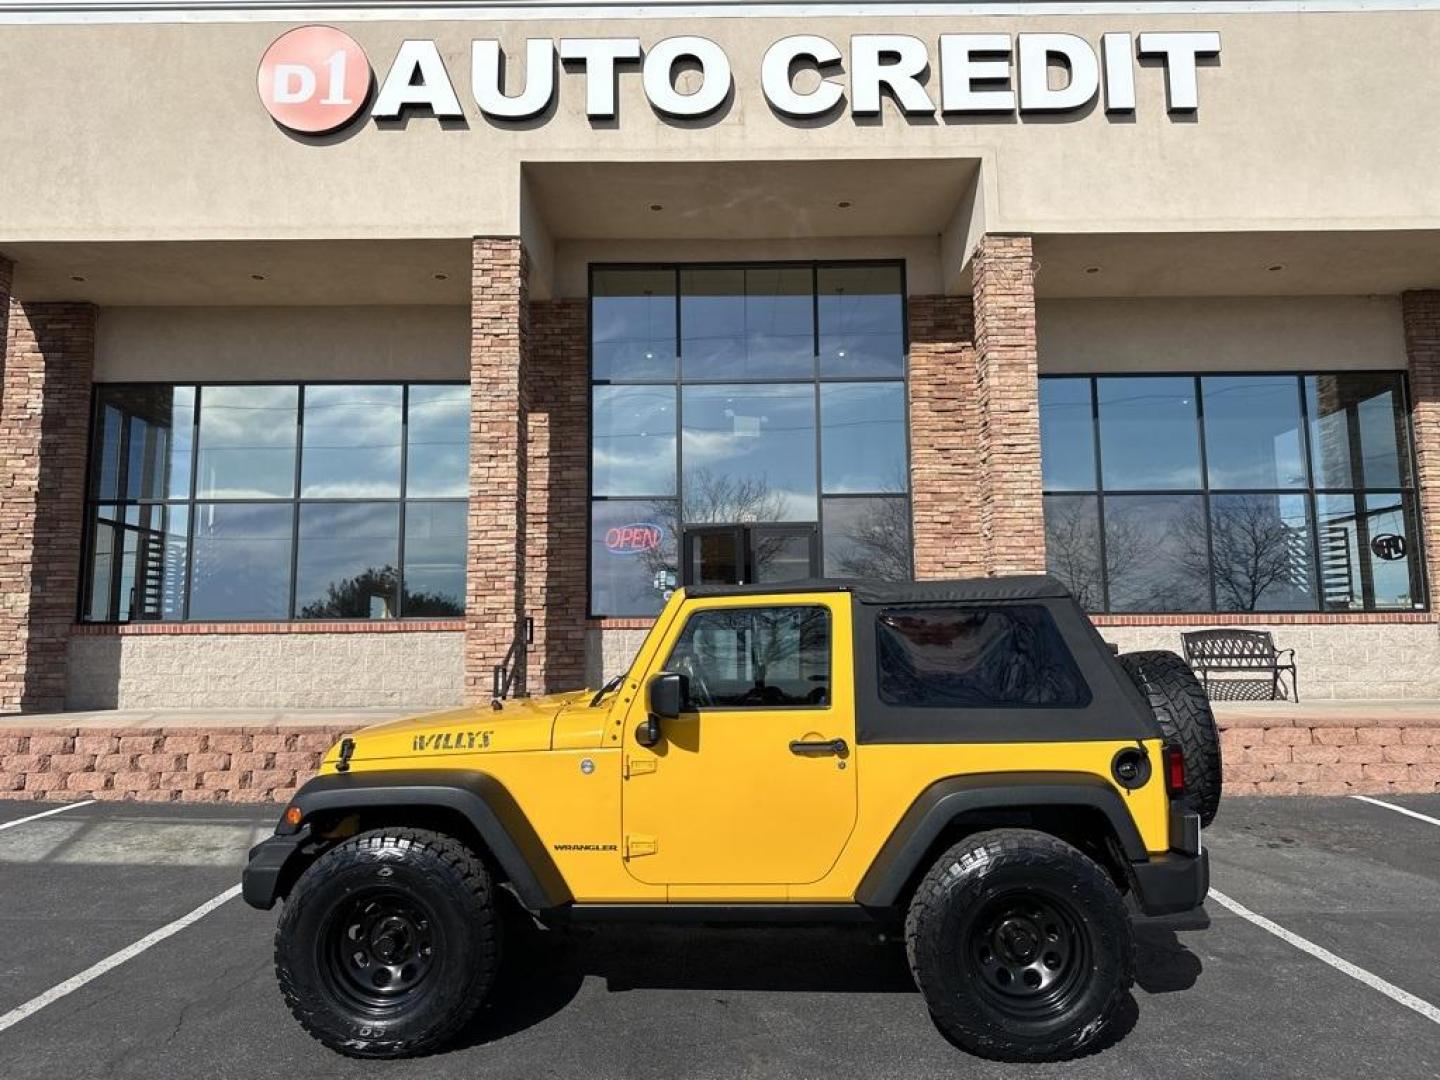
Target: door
{"type": "Point", "coordinates": [741, 554]}
{"type": "Point", "coordinates": [754, 784]}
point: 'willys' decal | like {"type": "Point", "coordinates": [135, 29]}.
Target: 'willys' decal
{"type": "Point", "coordinates": [452, 740]}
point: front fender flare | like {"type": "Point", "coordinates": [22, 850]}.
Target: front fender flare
{"type": "Point", "coordinates": [945, 800]}
{"type": "Point", "coordinates": [481, 799]}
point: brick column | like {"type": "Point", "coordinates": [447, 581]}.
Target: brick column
{"type": "Point", "coordinates": [7, 276]}
{"type": "Point", "coordinates": [1007, 397]}
{"type": "Point", "coordinates": [44, 417]}
{"type": "Point", "coordinates": [557, 510]}
{"type": "Point", "coordinates": [494, 606]}
{"type": "Point", "coordinates": [944, 439]}
{"type": "Point", "coordinates": [1421, 313]}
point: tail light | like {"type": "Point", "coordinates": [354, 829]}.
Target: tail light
{"type": "Point", "coordinates": [1174, 760]}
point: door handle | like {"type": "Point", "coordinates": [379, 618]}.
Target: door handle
{"type": "Point", "coordinates": [838, 747]}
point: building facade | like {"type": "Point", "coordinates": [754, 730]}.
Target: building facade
{"type": "Point", "coordinates": [346, 346]}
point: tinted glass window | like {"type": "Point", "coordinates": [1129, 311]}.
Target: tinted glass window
{"type": "Point", "coordinates": [867, 538]}
{"type": "Point", "coordinates": [142, 446]}
{"type": "Point", "coordinates": [351, 442]}
{"type": "Point", "coordinates": [1252, 432]}
{"type": "Point", "coordinates": [633, 440]}
{"type": "Point", "coordinates": [632, 315]}
{"type": "Point", "coordinates": [1368, 552]}
{"type": "Point", "coordinates": [749, 453]}
{"type": "Point", "coordinates": [1357, 430]}
{"type": "Point", "coordinates": [1072, 546]}
{"type": "Point", "coordinates": [756, 658]}
{"type": "Point", "coordinates": [633, 555]}
{"type": "Point", "coordinates": [241, 562]}
{"type": "Point", "coordinates": [1067, 435]}
{"type": "Point", "coordinates": [862, 437]}
{"type": "Point", "coordinates": [747, 322]}
{"type": "Point", "coordinates": [1263, 559]}
{"type": "Point", "coordinates": [862, 322]}
{"type": "Point", "coordinates": [434, 559]}
{"type": "Point", "coordinates": [1155, 556]}
{"type": "Point", "coordinates": [969, 658]}
{"type": "Point", "coordinates": [247, 442]}
{"type": "Point", "coordinates": [1149, 433]}
{"type": "Point", "coordinates": [437, 455]}
{"type": "Point", "coordinates": [137, 563]}
{"type": "Point", "coordinates": [349, 561]}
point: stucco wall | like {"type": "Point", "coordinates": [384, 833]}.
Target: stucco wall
{"type": "Point", "coordinates": [270, 671]}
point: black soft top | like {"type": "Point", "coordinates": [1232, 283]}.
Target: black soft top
{"type": "Point", "coordinates": [956, 590]}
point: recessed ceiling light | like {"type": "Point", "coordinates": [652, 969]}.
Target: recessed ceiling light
{"type": "Point", "coordinates": [1277, 266]}
{"type": "Point", "coordinates": [656, 206]}
{"type": "Point", "coordinates": [442, 277]}
{"type": "Point", "coordinates": [1092, 269]}
{"type": "Point", "coordinates": [257, 277]}
{"type": "Point", "coordinates": [843, 204]}
{"type": "Point", "coordinates": [76, 277]}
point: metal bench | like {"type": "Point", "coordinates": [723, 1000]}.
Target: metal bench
{"type": "Point", "coordinates": [1240, 650]}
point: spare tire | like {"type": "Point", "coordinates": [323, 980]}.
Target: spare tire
{"type": "Point", "coordinates": [1183, 712]}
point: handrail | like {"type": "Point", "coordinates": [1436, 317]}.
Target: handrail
{"type": "Point", "coordinates": [510, 672]}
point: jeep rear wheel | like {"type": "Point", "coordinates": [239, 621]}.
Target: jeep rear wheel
{"type": "Point", "coordinates": [1183, 711]}
{"type": "Point", "coordinates": [1021, 945]}
{"type": "Point", "coordinates": [388, 943]}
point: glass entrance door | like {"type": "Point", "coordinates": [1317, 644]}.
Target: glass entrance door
{"type": "Point", "coordinates": [740, 554]}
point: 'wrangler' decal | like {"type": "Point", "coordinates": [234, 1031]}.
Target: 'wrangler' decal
{"type": "Point", "coordinates": [452, 740]}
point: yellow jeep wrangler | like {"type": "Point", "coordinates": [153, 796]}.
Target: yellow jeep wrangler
{"type": "Point", "coordinates": [967, 758]}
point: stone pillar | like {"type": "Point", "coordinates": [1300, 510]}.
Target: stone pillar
{"type": "Point", "coordinates": [44, 420]}
{"type": "Point", "coordinates": [944, 439]}
{"type": "Point", "coordinates": [1421, 313]}
{"type": "Point", "coordinates": [7, 276]}
{"type": "Point", "coordinates": [494, 605]}
{"type": "Point", "coordinates": [1007, 398]}
{"type": "Point", "coordinates": [558, 507]}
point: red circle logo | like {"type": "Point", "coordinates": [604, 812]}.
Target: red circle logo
{"type": "Point", "coordinates": [314, 79]}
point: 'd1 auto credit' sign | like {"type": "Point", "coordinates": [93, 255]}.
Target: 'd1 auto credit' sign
{"type": "Point", "coordinates": [315, 79]}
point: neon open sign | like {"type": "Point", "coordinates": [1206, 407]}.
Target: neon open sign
{"type": "Point", "coordinates": [633, 539]}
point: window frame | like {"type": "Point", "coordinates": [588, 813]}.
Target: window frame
{"type": "Point", "coordinates": [824, 609]}
{"type": "Point", "coordinates": [815, 379]}
{"type": "Point", "coordinates": [193, 504]}
{"type": "Point", "coordinates": [1310, 491]}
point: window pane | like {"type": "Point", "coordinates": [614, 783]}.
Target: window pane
{"type": "Point", "coordinates": [747, 323]}
{"type": "Point", "coordinates": [137, 563]}
{"type": "Point", "coordinates": [959, 658]}
{"type": "Point", "coordinates": [1357, 430]}
{"type": "Point", "coordinates": [1072, 546]}
{"type": "Point", "coordinates": [862, 437]}
{"type": "Point", "coordinates": [1263, 558]}
{"type": "Point", "coordinates": [862, 321]}
{"type": "Point", "coordinates": [437, 457]}
{"type": "Point", "coordinates": [756, 658]}
{"type": "Point", "coordinates": [633, 556]}
{"type": "Point", "coordinates": [1369, 552]}
{"type": "Point", "coordinates": [1067, 435]}
{"type": "Point", "coordinates": [142, 442]}
{"type": "Point", "coordinates": [1149, 436]}
{"type": "Point", "coordinates": [241, 563]}
{"type": "Point", "coordinates": [749, 453]}
{"type": "Point", "coordinates": [1155, 553]}
{"type": "Point", "coordinates": [780, 556]}
{"type": "Point", "coordinates": [867, 538]}
{"type": "Point", "coordinates": [632, 324]}
{"type": "Point", "coordinates": [1252, 431]}
{"type": "Point", "coordinates": [633, 440]}
{"type": "Point", "coordinates": [435, 536]}
{"type": "Point", "coordinates": [351, 447]}
{"type": "Point", "coordinates": [247, 442]}
{"type": "Point", "coordinates": [349, 559]}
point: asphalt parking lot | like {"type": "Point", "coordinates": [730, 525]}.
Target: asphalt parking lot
{"type": "Point", "coordinates": [1357, 881]}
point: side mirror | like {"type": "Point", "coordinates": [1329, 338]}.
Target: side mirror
{"type": "Point", "coordinates": [669, 693]}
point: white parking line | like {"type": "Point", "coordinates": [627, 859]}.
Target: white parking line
{"type": "Point", "coordinates": [1390, 990]}
{"type": "Point", "coordinates": [1397, 808]}
{"type": "Point", "coordinates": [45, 813]}
{"type": "Point", "coordinates": [75, 982]}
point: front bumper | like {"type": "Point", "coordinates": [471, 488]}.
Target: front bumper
{"type": "Point", "coordinates": [260, 884]}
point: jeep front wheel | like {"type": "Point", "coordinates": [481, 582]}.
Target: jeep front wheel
{"type": "Point", "coordinates": [1021, 945]}
{"type": "Point", "coordinates": [388, 943]}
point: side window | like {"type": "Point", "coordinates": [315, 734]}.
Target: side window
{"type": "Point", "coordinates": [959, 657]}
{"type": "Point", "coordinates": [756, 658]}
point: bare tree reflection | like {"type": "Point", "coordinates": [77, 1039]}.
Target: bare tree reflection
{"type": "Point", "coordinates": [1252, 551]}
{"type": "Point", "coordinates": [877, 546]}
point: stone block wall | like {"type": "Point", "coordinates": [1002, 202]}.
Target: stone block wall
{"type": "Point", "coordinates": [266, 670]}
{"type": "Point", "coordinates": [1331, 755]}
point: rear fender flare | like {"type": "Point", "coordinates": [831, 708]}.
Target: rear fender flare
{"type": "Point", "coordinates": [946, 800]}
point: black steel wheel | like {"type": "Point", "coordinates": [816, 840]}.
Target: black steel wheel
{"type": "Point", "coordinates": [388, 943]}
{"type": "Point", "coordinates": [1021, 945]}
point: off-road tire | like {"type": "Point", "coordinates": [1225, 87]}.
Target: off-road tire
{"type": "Point", "coordinates": [1183, 711]}
{"type": "Point", "coordinates": [450, 896]}
{"type": "Point", "coordinates": [986, 876]}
